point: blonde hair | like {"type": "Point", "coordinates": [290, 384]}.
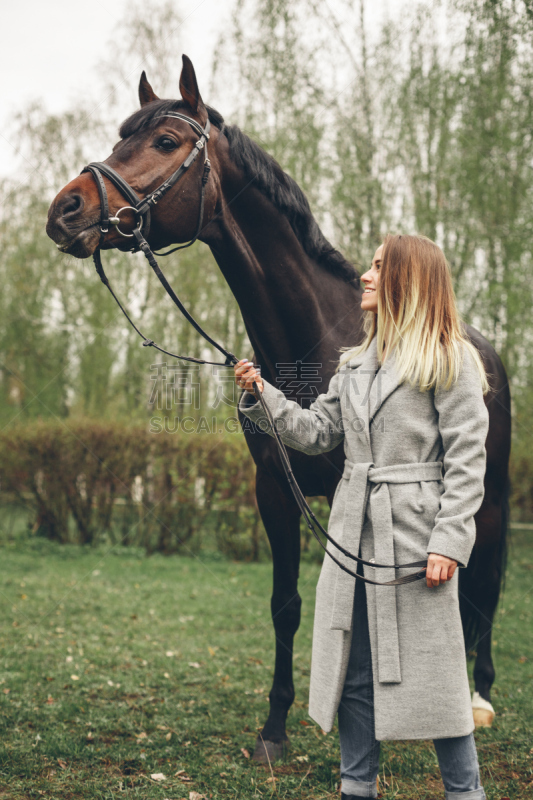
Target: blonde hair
{"type": "Point", "coordinates": [417, 316]}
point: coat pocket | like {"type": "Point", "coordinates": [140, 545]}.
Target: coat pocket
{"type": "Point", "coordinates": [426, 498]}
{"type": "Point", "coordinates": [416, 503]}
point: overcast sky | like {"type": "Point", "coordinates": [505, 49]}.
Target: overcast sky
{"type": "Point", "coordinates": [49, 49]}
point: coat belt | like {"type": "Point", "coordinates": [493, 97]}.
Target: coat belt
{"type": "Point", "coordinates": [368, 484]}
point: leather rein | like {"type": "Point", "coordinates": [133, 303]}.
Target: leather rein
{"type": "Point", "coordinates": [142, 209]}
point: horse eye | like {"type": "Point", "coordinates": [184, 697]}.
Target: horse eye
{"type": "Point", "coordinates": [166, 143]}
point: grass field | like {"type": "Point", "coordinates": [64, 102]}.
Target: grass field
{"type": "Point", "coordinates": [116, 668]}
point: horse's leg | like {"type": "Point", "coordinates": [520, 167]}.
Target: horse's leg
{"type": "Point", "coordinates": [281, 518]}
{"type": "Point", "coordinates": [480, 591]}
{"type": "Point", "coordinates": [484, 672]}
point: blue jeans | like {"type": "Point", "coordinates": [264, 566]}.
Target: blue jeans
{"type": "Point", "coordinates": [359, 749]}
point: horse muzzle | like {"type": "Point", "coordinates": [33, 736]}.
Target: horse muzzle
{"type": "Point", "coordinates": [78, 243]}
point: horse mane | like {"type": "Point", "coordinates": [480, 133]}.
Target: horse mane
{"type": "Point", "coordinates": [267, 175]}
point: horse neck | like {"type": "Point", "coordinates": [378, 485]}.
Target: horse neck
{"type": "Point", "coordinates": [293, 309]}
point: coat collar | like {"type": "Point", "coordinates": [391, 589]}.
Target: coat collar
{"type": "Point", "coordinates": [366, 393]}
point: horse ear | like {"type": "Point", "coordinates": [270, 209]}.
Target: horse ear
{"type": "Point", "coordinates": [189, 86]}
{"type": "Point", "coordinates": [146, 93]}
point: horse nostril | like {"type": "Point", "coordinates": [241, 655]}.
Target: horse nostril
{"type": "Point", "coordinates": [71, 205]}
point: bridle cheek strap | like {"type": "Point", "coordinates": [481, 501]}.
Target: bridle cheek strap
{"type": "Point", "coordinates": [139, 233]}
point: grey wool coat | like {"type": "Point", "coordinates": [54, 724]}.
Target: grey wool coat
{"type": "Point", "coordinates": [412, 482]}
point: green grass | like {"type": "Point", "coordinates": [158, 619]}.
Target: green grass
{"type": "Point", "coordinates": [115, 667]}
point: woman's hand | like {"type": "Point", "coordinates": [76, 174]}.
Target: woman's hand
{"type": "Point", "coordinates": [439, 569]}
{"type": "Point", "coordinates": [246, 374]}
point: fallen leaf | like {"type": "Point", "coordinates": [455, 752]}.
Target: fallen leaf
{"type": "Point", "coordinates": [110, 683]}
{"type": "Point", "coordinates": [271, 780]}
{"type": "Point", "coordinates": [302, 758]}
{"type": "Point", "coordinates": [194, 664]}
{"type": "Point", "coordinates": [6, 691]}
{"type": "Point", "coordinates": [142, 735]}
{"type": "Point", "coordinates": [182, 776]}
{"type": "Point", "coordinates": [196, 796]}
{"type": "Point", "coordinates": [62, 764]}
{"type": "Point", "coordinates": [169, 653]}
{"type": "Point", "coordinates": [50, 700]}
{"type": "Point", "coordinates": [522, 660]}
{"type": "Point", "coordinates": [303, 722]}
{"type": "Point", "coordinates": [74, 677]}
{"type": "Point", "coordinates": [245, 752]}
{"type": "Point", "coordinates": [68, 659]}
{"type": "Point", "coordinates": [212, 650]}
{"type": "Point", "coordinates": [168, 737]}
{"type": "Point", "coordinates": [166, 675]}
{"type": "Point", "coordinates": [158, 776]}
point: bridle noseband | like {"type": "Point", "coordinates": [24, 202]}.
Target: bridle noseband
{"type": "Point", "coordinates": [142, 208]}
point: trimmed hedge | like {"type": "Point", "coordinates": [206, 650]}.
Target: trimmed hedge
{"type": "Point", "coordinates": [521, 475]}
{"type": "Point", "coordinates": [83, 481]}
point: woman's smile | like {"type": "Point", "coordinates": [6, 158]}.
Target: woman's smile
{"type": "Point", "coordinates": [369, 300]}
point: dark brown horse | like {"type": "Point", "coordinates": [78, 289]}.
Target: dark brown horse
{"type": "Point", "coordinates": [300, 301]}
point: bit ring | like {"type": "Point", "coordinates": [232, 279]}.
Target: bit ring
{"type": "Point", "coordinates": [116, 220]}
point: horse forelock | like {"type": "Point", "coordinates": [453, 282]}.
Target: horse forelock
{"type": "Point", "coordinates": [147, 116]}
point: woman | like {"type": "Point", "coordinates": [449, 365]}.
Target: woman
{"type": "Point", "coordinates": [408, 404]}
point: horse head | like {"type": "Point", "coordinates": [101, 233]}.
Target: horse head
{"type": "Point", "coordinates": [153, 145]}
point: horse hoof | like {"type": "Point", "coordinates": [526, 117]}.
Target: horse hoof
{"type": "Point", "coordinates": [483, 711]}
{"type": "Point", "coordinates": [268, 752]}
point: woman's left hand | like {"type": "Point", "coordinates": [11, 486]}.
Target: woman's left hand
{"type": "Point", "coordinates": [439, 569]}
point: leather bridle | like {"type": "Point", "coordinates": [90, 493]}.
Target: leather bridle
{"type": "Point", "coordinates": [142, 209]}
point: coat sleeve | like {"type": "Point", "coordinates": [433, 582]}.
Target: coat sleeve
{"type": "Point", "coordinates": [312, 430]}
{"type": "Point", "coordinates": [463, 421]}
